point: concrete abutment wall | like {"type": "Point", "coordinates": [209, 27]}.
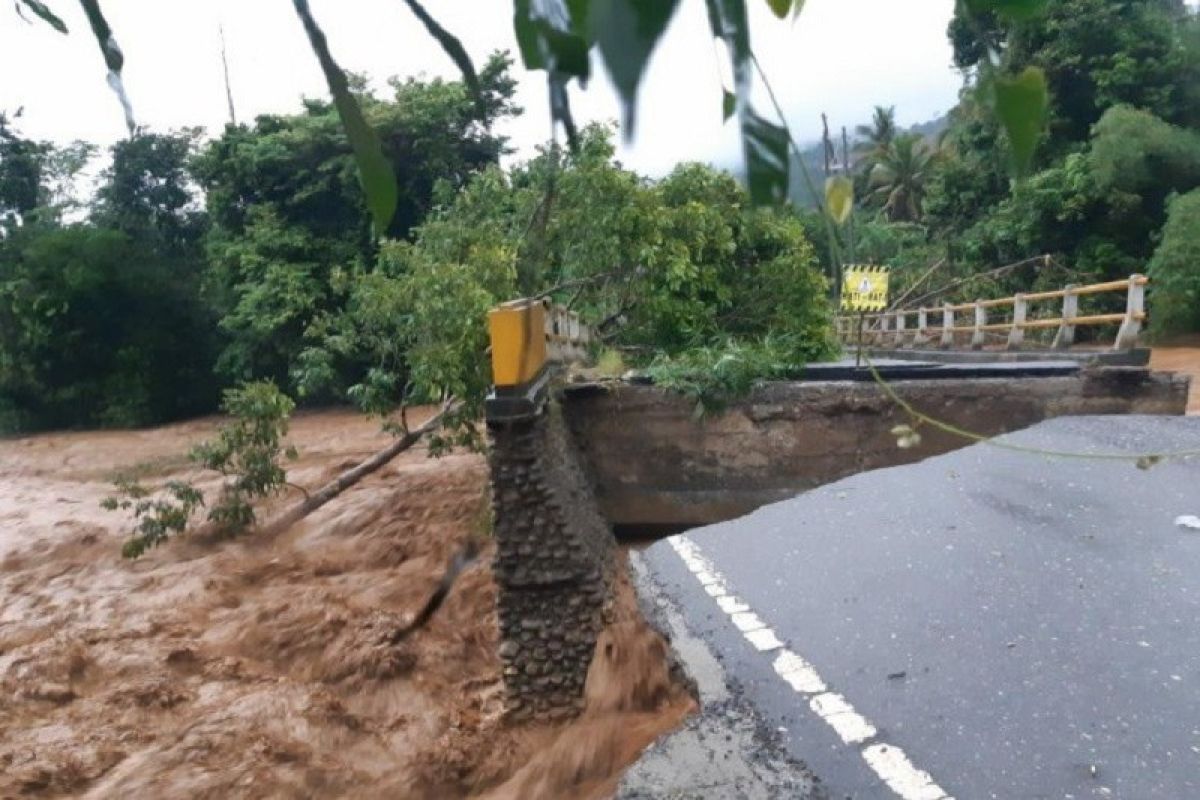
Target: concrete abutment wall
{"type": "Point", "coordinates": [655, 464]}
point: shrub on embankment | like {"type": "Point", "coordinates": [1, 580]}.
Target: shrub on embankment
{"type": "Point", "coordinates": [1175, 268]}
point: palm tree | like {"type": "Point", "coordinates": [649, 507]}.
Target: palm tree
{"type": "Point", "coordinates": [872, 142]}
{"type": "Point", "coordinates": [879, 134]}
{"type": "Point", "coordinates": [898, 177]}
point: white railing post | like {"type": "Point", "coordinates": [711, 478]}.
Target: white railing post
{"type": "Point", "coordinates": [573, 331]}
{"type": "Point", "coordinates": [1135, 309]}
{"type": "Point", "coordinates": [1070, 310]}
{"type": "Point", "coordinates": [922, 334]}
{"type": "Point", "coordinates": [899, 339]}
{"type": "Point", "coordinates": [884, 327]}
{"type": "Point", "coordinates": [556, 341]}
{"type": "Point", "coordinates": [1016, 335]}
{"type": "Point", "coordinates": [978, 338]}
{"type": "Point", "coordinates": [585, 335]}
{"type": "Point", "coordinates": [947, 325]}
{"type": "Point", "coordinates": [549, 323]}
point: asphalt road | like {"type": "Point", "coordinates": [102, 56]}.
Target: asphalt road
{"type": "Point", "coordinates": [984, 624]}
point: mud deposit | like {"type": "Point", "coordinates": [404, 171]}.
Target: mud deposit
{"type": "Point", "coordinates": [261, 668]}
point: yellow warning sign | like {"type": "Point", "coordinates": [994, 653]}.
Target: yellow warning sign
{"type": "Point", "coordinates": [864, 288]}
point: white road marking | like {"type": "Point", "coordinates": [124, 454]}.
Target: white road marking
{"type": "Point", "coordinates": [887, 761]}
{"type": "Point", "coordinates": [847, 723]}
{"type": "Point", "coordinates": [731, 605]}
{"type": "Point", "coordinates": [798, 672]}
{"type": "Point", "coordinates": [763, 639]}
{"type": "Point", "coordinates": [747, 621]}
{"type": "Point", "coordinates": [829, 703]}
{"type": "Point", "coordinates": [851, 727]}
{"type": "Point", "coordinates": [892, 765]}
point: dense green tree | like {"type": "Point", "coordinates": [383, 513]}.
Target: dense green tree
{"type": "Point", "coordinates": [288, 214]}
{"type": "Point", "coordinates": [1095, 54]}
{"type": "Point", "coordinates": [1189, 27]}
{"type": "Point", "coordinates": [96, 330]}
{"type": "Point", "coordinates": [1175, 268]}
{"type": "Point", "coordinates": [971, 177]}
{"type": "Point", "coordinates": [277, 280]}
{"type": "Point", "coordinates": [103, 323]}
{"type": "Point", "coordinates": [1122, 76]}
{"type": "Point", "coordinates": [38, 180]}
{"type": "Point", "coordinates": [21, 167]}
{"type": "Point", "coordinates": [301, 165]}
{"type": "Point", "coordinates": [147, 192]}
{"type": "Point", "coordinates": [1098, 210]}
{"type": "Point", "coordinates": [1137, 153]}
{"type": "Point", "coordinates": [665, 266]}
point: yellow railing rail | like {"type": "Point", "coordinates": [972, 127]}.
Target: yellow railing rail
{"type": "Point", "coordinates": [890, 328]}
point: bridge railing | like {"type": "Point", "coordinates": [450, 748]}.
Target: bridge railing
{"type": "Point", "coordinates": [528, 337]}
{"type": "Point", "coordinates": [893, 329]}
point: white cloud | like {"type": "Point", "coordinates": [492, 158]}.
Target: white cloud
{"type": "Point", "coordinates": [842, 56]}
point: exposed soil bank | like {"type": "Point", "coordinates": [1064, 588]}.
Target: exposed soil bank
{"type": "Point", "coordinates": [260, 668]}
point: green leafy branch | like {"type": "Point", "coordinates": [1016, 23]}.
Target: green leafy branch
{"type": "Point", "coordinates": [247, 451]}
{"type": "Point", "coordinates": [156, 517]}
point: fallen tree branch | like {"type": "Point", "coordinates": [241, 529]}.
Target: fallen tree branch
{"type": "Point", "coordinates": [355, 474]}
{"type": "Point", "coordinates": [298, 488]}
{"type": "Point", "coordinates": [917, 284]}
{"type": "Point", "coordinates": [1045, 261]}
{"type": "Point", "coordinates": [576, 283]}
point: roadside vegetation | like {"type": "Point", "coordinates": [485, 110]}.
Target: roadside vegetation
{"type": "Point", "coordinates": [1120, 144]}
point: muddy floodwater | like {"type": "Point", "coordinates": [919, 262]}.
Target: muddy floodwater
{"type": "Point", "coordinates": [261, 667]}
{"type": "Point", "coordinates": [1181, 355]}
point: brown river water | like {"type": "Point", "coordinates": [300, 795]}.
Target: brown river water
{"type": "Point", "coordinates": [258, 667]}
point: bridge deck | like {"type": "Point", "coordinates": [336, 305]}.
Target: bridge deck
{"type": "Point", "coordinates": [982, 624]}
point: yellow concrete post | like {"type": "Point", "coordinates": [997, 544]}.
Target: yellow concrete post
{"type": "Point", "coordinates": [518, 334]}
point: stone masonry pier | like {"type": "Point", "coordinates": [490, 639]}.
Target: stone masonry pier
{"type": "Point", "coordinates": [554, 564]}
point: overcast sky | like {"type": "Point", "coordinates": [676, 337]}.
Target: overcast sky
{"type": "Point", "coordinates": [842, 57]}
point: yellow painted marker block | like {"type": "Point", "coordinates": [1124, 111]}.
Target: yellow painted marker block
{"type": "Point", "coordinates": [518, 332]}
